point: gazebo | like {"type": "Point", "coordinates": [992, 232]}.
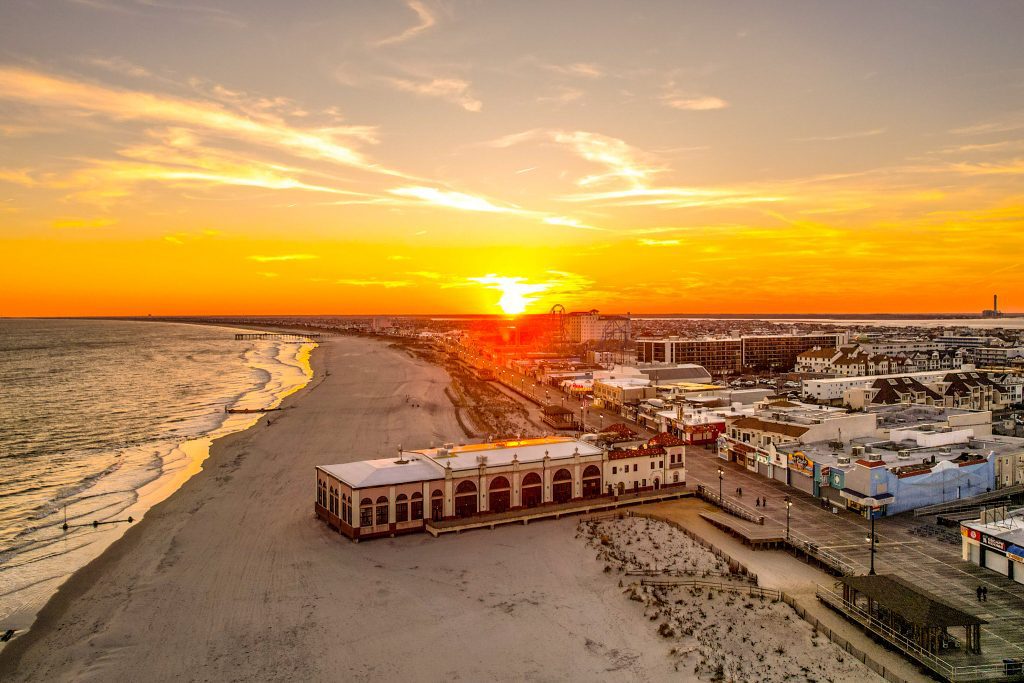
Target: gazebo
{"type": "Point", "coordinates": [558, 416]}
{"type": "Point", "coordinates": [916, 614]}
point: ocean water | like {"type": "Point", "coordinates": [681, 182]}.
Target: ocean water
{"type": "Point", "coordinates": [100, 420]}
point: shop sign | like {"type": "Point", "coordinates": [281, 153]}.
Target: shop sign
{"type": "Point", "coordinates": [993, 542]}
{"type": "Point", "coordinates": [1016, 553]}
{"type": "Point", "coordinates": [801, 463]}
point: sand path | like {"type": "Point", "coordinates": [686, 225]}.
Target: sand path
{"type": "Point", "coordinates": [232, 578]}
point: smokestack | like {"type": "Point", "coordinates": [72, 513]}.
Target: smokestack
{"type": "Point", "coordinates": [995, 303]}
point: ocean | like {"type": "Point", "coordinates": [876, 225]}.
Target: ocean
{"type": "Point", "coordinates": [100, 420]}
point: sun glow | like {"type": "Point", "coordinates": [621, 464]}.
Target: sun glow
{"type": "Point", "coordinates": [516, 295]}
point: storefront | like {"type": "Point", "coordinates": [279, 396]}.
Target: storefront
{"type": "Point", "coordinates": [994, 548]}
{"type": "Point", "coordinates": [801, 472]}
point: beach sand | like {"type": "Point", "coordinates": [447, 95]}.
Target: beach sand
{"type": "Point", "coordinates": [232, 577]}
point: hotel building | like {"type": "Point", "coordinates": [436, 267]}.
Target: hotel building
{"type": "Point", "coordinates": [729, 355]}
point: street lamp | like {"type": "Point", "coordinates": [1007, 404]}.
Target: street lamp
{"type": "Point", "coordinates": [789, 506]}
{"type": "Point", "coordinates": [721, 476]}
{"type": "Point", "coordinates": [872, 541]}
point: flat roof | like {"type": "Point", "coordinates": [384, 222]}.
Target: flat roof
{"type": "Point", "coordinates": [1009, 529]}
{"type": "Point", "coordinates": [496, 454]}
{"type": "Point", "coordinates": [915, 605]}
{"type": "Point", "coordinates": [384, 471]}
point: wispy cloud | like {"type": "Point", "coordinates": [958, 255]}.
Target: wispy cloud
{"type": "Point", "coordinates": [334, 144]}
{"type": "Point", "coordinates": [580, 69]}
{"type": "Point", "coordinates": [451, 200]}
{"type": "Point", "coordinates": [282, 257]}
{"type": "Point", "coordinates": [695, 102]}
{"type": "Point", "coordinates": [424, 20]}
{"type": "Point", "coordinates": [569, 223]}
{"type": "Point", "coordinates": [658, 243]}
{"type": "Point", "coordinates": [454, 90]}
{"type": "Point", "coordinates": [427, 274]}
{"type": "Point", "coordinates": [373, 282]}
{"type": "Point", "coordinates": [842, 136]}
{"type": "Point", "coordinates": [119, 65]}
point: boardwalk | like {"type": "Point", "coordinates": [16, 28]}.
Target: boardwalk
{"type": "Point", "coordinates": [934, 562]}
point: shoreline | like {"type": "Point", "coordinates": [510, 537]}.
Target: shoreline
{"type": "Point", "coordinates": [196, 454]}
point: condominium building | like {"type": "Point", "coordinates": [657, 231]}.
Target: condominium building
{"type": "Point", "coordinates": [729, 355]}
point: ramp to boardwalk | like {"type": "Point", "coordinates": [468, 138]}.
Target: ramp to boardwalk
{"type": "Point", "coordinates": [1007, 494]}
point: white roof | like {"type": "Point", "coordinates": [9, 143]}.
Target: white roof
{"type": "Point", "coordinates": [496, 454]}
{"type": "Point", "coordinates": [384, 472]}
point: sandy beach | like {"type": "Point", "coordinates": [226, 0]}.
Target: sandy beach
{"type": "Point", "coordinates": [232, 578]}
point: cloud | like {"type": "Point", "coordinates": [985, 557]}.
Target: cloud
{"type": "Point", "coordinates": [427, 274]}
{"type": "Point", "coordinates": [842, 136]}
{"type": "Point", "coordinates": [330, 144]}
{"type": "Point", "coordinates": [695, 103]}
{"type": "Point", "coordinates": [658, 243]}
{"type": "Point", "coordinates": [569, 223]}
{"type": "Point", "coordinates": [425, 21]}
{"type": "Point", "coordinates": [563, 96]}
{"type": "Point", "coordinates": [454, 90]}
{"type": "Point", "coordinates": [119, 65]}
{"type": "Point", "coordinates": [451, 200]}
{"type": "Point", "coordinates": [398, 257]}
{"type": "Point", "coordinates": [580, 69]}
{"type": "Point", "coordinates": [373, 282]}
{"type": "Point", "coordinates": [283, 257]}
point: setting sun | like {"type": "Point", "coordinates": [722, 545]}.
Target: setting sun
{"type": "Point", "coordinates": [515, 294]}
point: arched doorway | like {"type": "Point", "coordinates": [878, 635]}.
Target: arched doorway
{"type": "Point", "coordinates": [465, 499]}
{"type": "Point", "coordinates": [499, 495]}
{"type": "Point", "coordinates": [657, 483]}
{"type": "Point", "coordinates": [591, 481]}
{"type": "Point", "coordinates": [622, 488]}
{"type": "Point", "coordinates": [532, 490]}
{"type": "Point", "coordinates": [437, 505]}
{"type": "Point", "coordinates": [561, 489]}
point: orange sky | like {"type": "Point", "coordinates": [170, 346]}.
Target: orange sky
{"type": "Point", "coordinates": [426, 157]}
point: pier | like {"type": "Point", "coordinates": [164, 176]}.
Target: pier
{"type": "Point", "coordinates": [278, 336]}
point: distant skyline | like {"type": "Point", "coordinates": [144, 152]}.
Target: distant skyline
{"type": "Point", "coordinates": [464, 157]}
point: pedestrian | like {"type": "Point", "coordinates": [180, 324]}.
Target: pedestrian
{"type": "Point", "coordinates": [984, 593]}
{"type": "Point", "coordinates": [757, 502]}
{"type": "Point", "coordinates": [764, 502]}
{"type": "Point", "coordinates": [979, 593]}
{"type": "Point", "coordinates": [740, 490]}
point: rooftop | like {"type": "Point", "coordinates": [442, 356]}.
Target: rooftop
{"type": "Point", "coordinates": [495, 454]}
{"type": "Point", "coordinates": [384, 471]}
{"type": "Point", "coordinates": [914, 604]}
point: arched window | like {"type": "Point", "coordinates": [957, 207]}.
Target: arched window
{"type": "Point", "coordinates": [465, 499]}
{"type": "Point", "coordinates": [417, 506]}
{"type": "Point", "coordinates": [499, 498]}
{"type": "Point", "coordinates": [402, 508]}
{"type": "Point", "coordinates": [382, 510]}
{"type": "Point", "coordinates": [366, 512]}
{"type": "Point", "coordinates": [532, 493]}
{"type": "Point", "coordinates": [561, 489]}
{"type": "Point", "coordinates": [346, 509]}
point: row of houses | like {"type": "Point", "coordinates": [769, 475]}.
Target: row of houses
{"type": "Point", "coordinates": [389, 496]}
{"type": "Point", "coordinates": [855, 361]}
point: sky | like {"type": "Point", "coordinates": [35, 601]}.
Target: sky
{"type": "Point", "coordinates": [428, 156]}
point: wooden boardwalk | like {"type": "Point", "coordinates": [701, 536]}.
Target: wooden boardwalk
{"type": "Point", "coordinates": [755, 535]}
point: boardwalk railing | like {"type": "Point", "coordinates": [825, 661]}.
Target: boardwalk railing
{"type": "Point", "coordinates": [729, 506]}
{"type": "Point", "coordinates": [972, 503]}
{"type": "Point", "coordinates": [824, 555]}
{"type": "Point", "coordinates": [944, 669]}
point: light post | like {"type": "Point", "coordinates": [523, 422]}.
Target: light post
{"type": "Point", "coordinates": [789, 506]}
{"type": "Point", "coordinates": [872, 541]}
{"type": "Point", "coordinates": [721, 476]}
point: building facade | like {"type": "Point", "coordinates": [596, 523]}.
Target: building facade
{"type": "Point", "coordinates": [390, 496]}
{"type": "Point", "coordinates": [723, 356]}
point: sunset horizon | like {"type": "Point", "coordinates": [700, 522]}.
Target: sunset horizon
{"type": "Point", "coordinates": [428, 157]}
